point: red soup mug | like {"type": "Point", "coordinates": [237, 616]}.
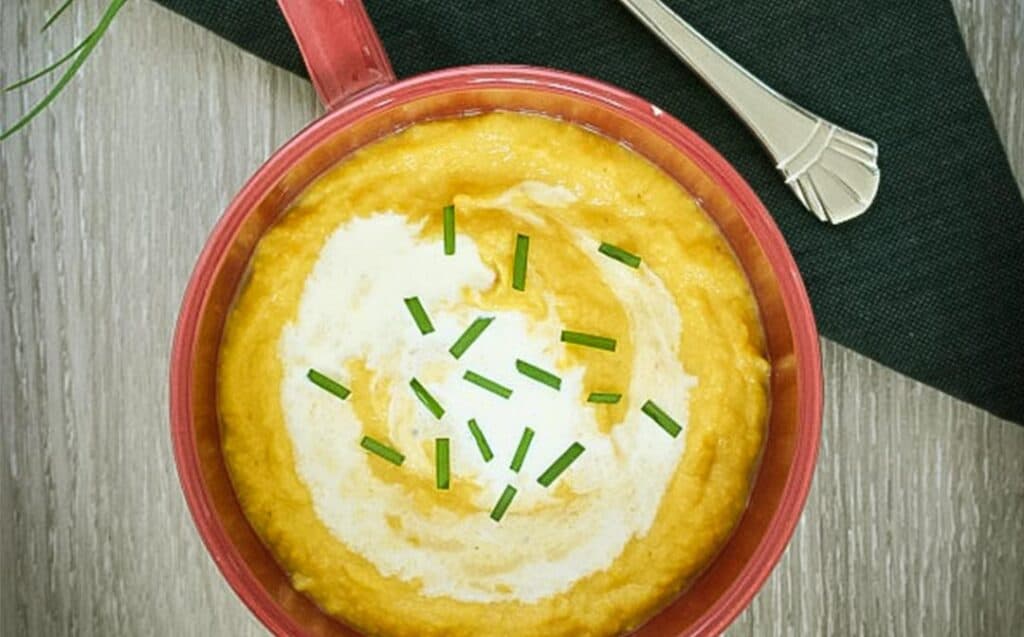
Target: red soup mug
{"type": "Point", "coordinates": [364, 102]}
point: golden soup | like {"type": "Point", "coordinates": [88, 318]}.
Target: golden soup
{"type": "Point", "coordinates": [359, 283]}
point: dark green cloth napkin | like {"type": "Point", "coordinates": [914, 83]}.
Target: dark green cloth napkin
{"type": "Point", "coordinates": [929, 282]}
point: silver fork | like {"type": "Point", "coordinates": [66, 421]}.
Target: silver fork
{"type": "Point", "coordinates": [833, 172]}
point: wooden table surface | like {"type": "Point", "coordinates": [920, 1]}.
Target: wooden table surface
{"type": "Point", "coordinates": [915, 524]}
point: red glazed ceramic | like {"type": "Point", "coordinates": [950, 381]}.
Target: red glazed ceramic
{"type": "Point", "coordinates": [354, 80]}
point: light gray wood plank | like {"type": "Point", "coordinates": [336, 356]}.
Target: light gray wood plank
{"type": "Point", "coordinates": [914, 524]}
{"type": "Point", "coordinates": [915, 521]}
{"type": "Point", "coordinates": [993, 31]}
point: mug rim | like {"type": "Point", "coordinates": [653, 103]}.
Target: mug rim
{"type": "Point", "coordinates": [794, 297]}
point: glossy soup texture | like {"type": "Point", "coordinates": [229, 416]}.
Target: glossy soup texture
{"type": "Point", "coordinates": [630, 521]}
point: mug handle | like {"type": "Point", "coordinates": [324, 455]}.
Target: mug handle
{"type": "Point", "coordinates": [341, 49]}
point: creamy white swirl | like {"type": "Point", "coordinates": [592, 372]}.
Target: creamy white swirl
{"type": "Point", "coordinates": [351, 309]}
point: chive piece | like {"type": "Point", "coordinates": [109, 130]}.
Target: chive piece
{"type": "Point", "coordinates": [442, 462]}
{"type": "Point", "coordinates": [561, 464]}
{"type": "Point", "coordinates": [487, 383]}
{"type": "Point", "coordinates": [524, 446]}
{"type": "Point", "coordinates": [449, 229]}
{"type": "Point", "coordinates": [428, 401]}
{"type": "Point", "coordinates": [607, 398]}
{"type": "Point", "coordinates": [92, 40]}
{"type": "Point", "coordinates": [619, 255]}
{"type": "Point", "coordinates": [469, 337]}
{"type": "Point", "coordinates": [50, 69]}
{"type": "Point", "coordinates": [519, 263]}
{"type": "Point", "coordinates": [588, 340]}
{"type": "Point", "coordinates": [481, 442]}
{"type": "Point", "coordinates": [538, 374]}
{"type": "Point", "coordinates": [56, 14]}
{"type": "Point", "coordinates": [659, 416]}
{"type": "Point", "coordinates": [419, 314]}
{"type": "Point", "coordinates": [379, 448]}
{"type": "Point", "coordinates": [502, 505]}
{"type": "Point", "coordinates": [328, 384]}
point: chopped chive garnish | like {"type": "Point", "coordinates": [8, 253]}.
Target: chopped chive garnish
{"type": "Point", "coordinates": [619, 255]}
{"type": "Point", "coordinates": [442, 462]}
{"type": "Point", "coordinates": [664, 420]}
{"type": "Point", "coordinates": [538, 374]}
{"type": "Point", "coordinates": [328, 384]}
{"type": "Point", "coordinates": [428, 401]}
{"type": "Point", "coordinates": [419, 315]}
{"type": "Point", "coordinates": [469, 337]}
{"type": "Point", "coordinates": [481, 442]}
{"type": "Point", "coordinates": [588, 340]}
{"type": "Point", "coordinates": [519, 263]}
{"type": "Point", "coordinates": [382, 450]}
{"type": "Point", "coordinates": [449, 229]}
{"type": "Point", "coordinates": [524, 446]}
{"type": "Point", "coordinates": [487, 383]}
{"type": "Point", "coordinates": [604, 397]}
{"type": "Point", "coordinates": [561, 464]}
{"type": "Point", "coordinates": [502, 505]}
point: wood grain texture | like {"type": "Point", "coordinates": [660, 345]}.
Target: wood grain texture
{"type": "Point", "coordinates": [915, 524]}
{"type": "Point", "coordinates": [993, 31]}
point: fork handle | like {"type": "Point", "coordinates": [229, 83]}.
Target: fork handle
{"type": "Point", "coordinates": [782, 126]}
